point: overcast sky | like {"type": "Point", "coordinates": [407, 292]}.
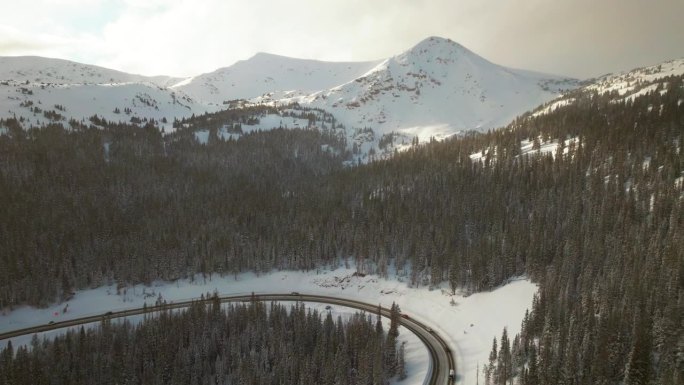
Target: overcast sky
{"type": "Point", "coordinates": [580, 38]}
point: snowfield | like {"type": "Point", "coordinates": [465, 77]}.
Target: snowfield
{"type": "Point", "coordinates": [627, 83]}
{"type": "Point", "coordinates": [467, 323]}
{"type": "Point", "coordinates": [264, 72]}
{"type": "Point", "coordinates": [436, 89]}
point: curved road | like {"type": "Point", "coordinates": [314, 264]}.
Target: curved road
{"type": "Point", "coordinates": [442, 361]}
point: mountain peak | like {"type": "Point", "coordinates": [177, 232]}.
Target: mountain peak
{"type": "Point", "coordinates": [266, 72]}
{"type": "Point", "coordinates": [432, 43]}
{"type": "Point", "coordinates": [260, 56]}
{"type": "Point", "coordinates": [434, 89]}
{"type": "Point", "coordinates": [443, 50]}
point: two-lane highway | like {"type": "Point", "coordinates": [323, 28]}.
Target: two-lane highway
{"type": "Point", "coordinates": [441, 358]}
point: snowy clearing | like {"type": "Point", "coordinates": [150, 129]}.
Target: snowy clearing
{"type": "Point", "coordinates": [467, 323]}
{"type": "Point", "coordinates": [527, 147]}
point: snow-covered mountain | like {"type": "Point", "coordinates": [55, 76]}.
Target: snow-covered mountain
{"type": "Point", "coordinates": [626, 83]}
{"type": "Point", "coordinates": [264, 73]}
{"type": "Point", "coordinates": [623, 86]}
{"type": "Point", "coordinates": [36, 69]}
{"type": "Point", "coordinates": [436, 88]}
{"type": "Point", "coordinates": [43, 90]}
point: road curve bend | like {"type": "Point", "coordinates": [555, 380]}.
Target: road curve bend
{"type": "Point", "coordinates": [440, 354]}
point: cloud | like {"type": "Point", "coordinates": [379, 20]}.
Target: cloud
{"type": "Point", "coordinates": [181, 37]}
{"type": "Point", "coordinates": [585, 37]}
{"type": "Point", "coordinates": [15, 47]}
{"type": "Point", "coordinates": [14, 42]}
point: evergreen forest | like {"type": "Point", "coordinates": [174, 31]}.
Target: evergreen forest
{"type": "Point", "coordinates": [251, 343]}
{"type": "Point", "coordinates": [598, 224]}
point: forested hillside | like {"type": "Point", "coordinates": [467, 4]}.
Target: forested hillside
{"type": "Point", "coordinates": [606, 244]}
{"type": "Point", "coordinates": [207, 344]}
{"type": "Point", "coordinates": [599, 223]}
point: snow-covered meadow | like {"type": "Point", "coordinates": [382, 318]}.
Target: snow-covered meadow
{"type": "Point", "coordinates": [467, 323]}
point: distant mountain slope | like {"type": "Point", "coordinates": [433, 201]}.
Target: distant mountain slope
{"type": "Point", "coordinates": [626, 83]}
{"type": "Point", "coordinates": [35, 69]}
{"type": "Point", "coordinates": [616, 89]}
{"type": "Point", "coordinates": [622, 86]}
{"type": "Point", "coordinates": [265, 73]}
{"type": "Point", "coordinates": [436, 88]}
{"type": "Point", "coordinates": [42, 90]}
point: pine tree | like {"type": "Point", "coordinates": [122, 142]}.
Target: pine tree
{"type": "Point", "coordinates": [638, 369]}
{"type": "Point", "coordinates": [490, 369]}
{"type": "Point", "coordinates": [503, 367]}
{"type": "Point", "coordinates": [532, 373]}
{"type": "Point", "coordinates": [401, 365]}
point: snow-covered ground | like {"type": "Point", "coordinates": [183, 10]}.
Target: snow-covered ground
{"type": "Point", "coordinates": [467, 323]}
{"type": "Point", "coordinates": [527, 148]}
{"type": "Point", "coordinates": [554, 105]}
{"type": "Point", "coordinates": [624, 86]}
{"type": "Point", "coordinates": [31, 86]}
{"type": "Point", "coordinates": [627, 83]}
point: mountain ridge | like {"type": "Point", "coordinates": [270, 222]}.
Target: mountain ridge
{"type": "Point", "coordinates": [46, 70]}
{"type": "Point", "coordinates": [437, 88]}
{"type": "Point", "coordinates": [265, 72]}
{"type": "Point", "coordinates": [434, 89]}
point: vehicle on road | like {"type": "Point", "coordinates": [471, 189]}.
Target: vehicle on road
{"type": "Point", "coordinates": [51, 323]}
{"type": "Point", "coordinates": [452, 374]}
{"type": "Point", "coordinates": [328, 307]}
{"type": "Point", "coordinates": [295, 293]}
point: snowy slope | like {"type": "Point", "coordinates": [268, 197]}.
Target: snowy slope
{"type": "Point", "coordinates": [31, 86]}
{"type": "Point", "coordinates": [265, 73]}
{"type": "Point", "coordinates": [623, 86]}
{"type": "Point", "coordinates": [620, 87]}
{"type": "Point", "coordinates": [37, 69]}
{"type": "Point", "coordinates": [436, 88]}
{"type": "Point", "coordinates": [631, 82]}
